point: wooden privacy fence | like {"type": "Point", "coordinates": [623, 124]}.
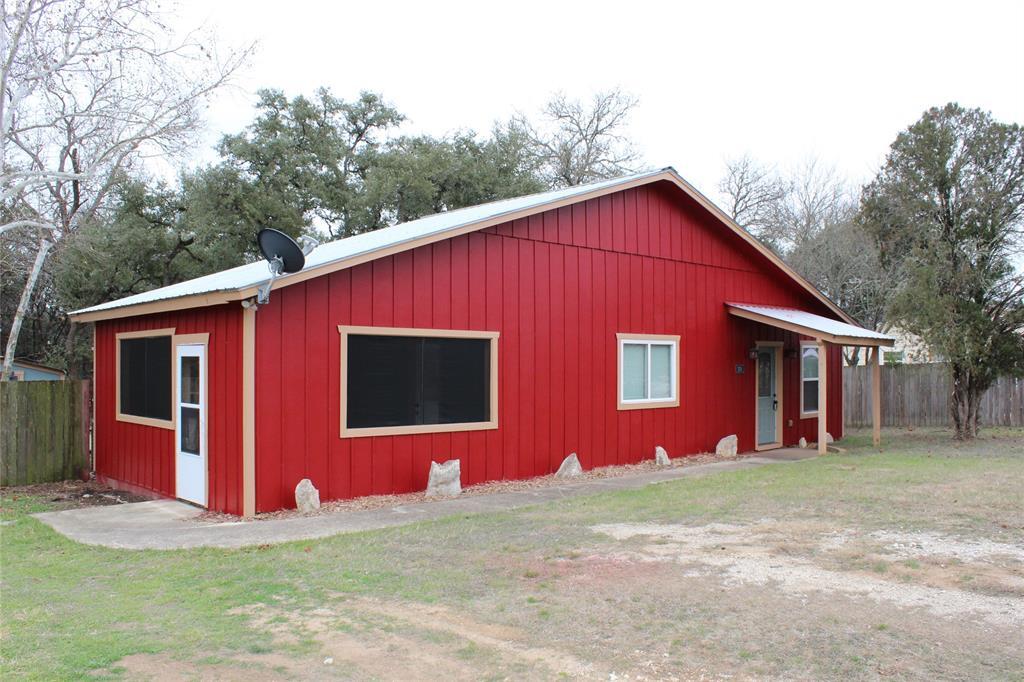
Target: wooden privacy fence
{"type": "Point", "coordinates": [44, 431]}
{"type": "Point", "coordinates": [918, 395]}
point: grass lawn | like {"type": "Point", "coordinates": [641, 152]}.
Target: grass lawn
{"type": "Point", "coordinates": [907, 563]}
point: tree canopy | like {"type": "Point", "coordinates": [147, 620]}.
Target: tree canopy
{"type": "Point", "coordinates": [947, 209]}
{"type": "Point", "coordinates": [318, 165]}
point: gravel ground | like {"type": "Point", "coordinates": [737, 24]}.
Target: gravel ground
{"type": "Point", "coordinates": [491, 487]}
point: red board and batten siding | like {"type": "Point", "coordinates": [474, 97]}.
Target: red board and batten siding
{"type": "Point", "coordinates": [143, 456]}
{"type": "Point", "coordinates": [558, 286]}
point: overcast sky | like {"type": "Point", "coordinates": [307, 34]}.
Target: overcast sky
{"type": "Point", "coordinates": [782, 81]}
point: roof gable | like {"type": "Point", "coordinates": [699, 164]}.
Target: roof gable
{"type": "Point", "coordinates": [241, 282]}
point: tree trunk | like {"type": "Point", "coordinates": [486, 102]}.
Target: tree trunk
{"type": "Point", "coordinates": [965, 402]}
{"type": "Point", "coordinates": [71, 364]}
{"type": "Point", "coordinates": [973, 405]}
{"type": "Point", "coordinates": [19, 315]}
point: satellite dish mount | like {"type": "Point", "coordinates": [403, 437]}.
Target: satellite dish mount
{"type": "Point", "coordinates": [283, 256]}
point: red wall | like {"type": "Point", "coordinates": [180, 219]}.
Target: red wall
{"type": "Point", "coordinates": [558, 286]}
{"type": "Point", "coordinates": [143, 456]}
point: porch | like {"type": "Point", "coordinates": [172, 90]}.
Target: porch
{"type": "Point", "coordinates": [825, 332]}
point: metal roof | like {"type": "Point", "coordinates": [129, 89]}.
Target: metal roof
{"type": "Point", "coordinates": [239, 283]}
{"type": "Point", "coordinates": [811, 324]}
{"type": "Point", "coordinates": [255, 274]}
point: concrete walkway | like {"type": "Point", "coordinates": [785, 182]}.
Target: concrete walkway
{"type": "Point", "coordinates": [168, 524]}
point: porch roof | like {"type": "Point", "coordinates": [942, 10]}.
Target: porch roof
{"type": "Point", "coordinates": [809, 324]}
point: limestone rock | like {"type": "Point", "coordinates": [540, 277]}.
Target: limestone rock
{"type": "Point", "coordinates": [661, 457]}
{"type": "Point", "coordinates": [570, 467]}
{"type": "Point", "coordinates": [802, 443]}
{"type": "Point", "coordinates": [445, 479]}
{"type": "Point", "coordinates": [307, 498]}
{"type": "Point", "coordinates": [727, 446]}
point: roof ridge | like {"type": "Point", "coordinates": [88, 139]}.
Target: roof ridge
{"type": "Point", "coordinates": [569, 189]}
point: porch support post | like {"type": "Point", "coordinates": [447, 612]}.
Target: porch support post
{"type": "Point", "coordinates": [248, 412]}
{"type": "Point", "coordinates": [822, 395]}
{"type": "Point", "coordinates": [876, 397]}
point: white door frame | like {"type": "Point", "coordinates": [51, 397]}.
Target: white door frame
{"type": "Point", "coordinates": [777, 443]}
{"type": "Point", "coordinates": [191, 470]}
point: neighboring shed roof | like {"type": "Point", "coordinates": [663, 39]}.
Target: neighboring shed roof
{"type": "Point", "coordinates": [22, 362]}
{"type": "Point", "coordinates": [811, 325]}
{"type": "Point", "coordinates": [241, 282]}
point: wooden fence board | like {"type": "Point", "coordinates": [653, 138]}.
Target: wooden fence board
{"type": "Point", "coordinates": [44, 431]}
{"type": "Point", "coordinates": [919, 395]}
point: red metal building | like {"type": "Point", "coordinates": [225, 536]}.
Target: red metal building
{"type": "Point", "coordinates": [603, 320]}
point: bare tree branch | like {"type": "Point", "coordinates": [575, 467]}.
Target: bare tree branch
{"type": "Point", "coordinates": [88, 89]}
{"type": "Point", "coordinates": [576, 143]}
{"type": "Point", "coordinates": [753, 195]}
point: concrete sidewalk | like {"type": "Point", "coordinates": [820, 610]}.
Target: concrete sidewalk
{"type": "Point", "coordinates": [168, 524]}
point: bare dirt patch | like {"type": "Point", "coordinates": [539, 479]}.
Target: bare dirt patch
{"type": "Point", "coordinates": [507, 641]}
{"type": "Point", "coordinates": [916, 545]}
{"type": "Point", "coordinates": [409, 641]}
{"type": "Point", "coordinates": [165, 668]}
{"type": "Point", "coordinates": [73, 494]}
{"type": "Point", "coordinates": [750, 555]}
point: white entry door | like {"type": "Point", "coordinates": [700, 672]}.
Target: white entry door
{"type": "Point", "coordinates": [190, 403]}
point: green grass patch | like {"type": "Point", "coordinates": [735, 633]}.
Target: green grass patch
{"type": "Point", "coordinates": [68, 609]}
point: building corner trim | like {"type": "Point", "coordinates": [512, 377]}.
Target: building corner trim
{"type": "Point", "coordinates": [248, 411]}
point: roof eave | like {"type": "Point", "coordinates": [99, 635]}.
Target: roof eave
{"type": "Point", "coordinates": [839, 339]}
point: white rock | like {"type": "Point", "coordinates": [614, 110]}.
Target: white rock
{"type": "Point", "coordinates": [570, 467]}
{"type": "Point", "coordinates": [307, 498]}
{"type": "Point", "coordinates": [829, 438]}
{"type": "Point", "coordinates": [445, 479]}
{"type": "Point", "coordinates": [661, 457]}
{"type": "Point", "coordinates": [727, 446]}
{"type": "Point", "coordinates": [802, 443]}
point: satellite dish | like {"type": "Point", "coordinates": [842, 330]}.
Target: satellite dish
{"type": "Point", "coordinates": [281, 251]}
{"type": "Point", "coordinates": [282, 254]}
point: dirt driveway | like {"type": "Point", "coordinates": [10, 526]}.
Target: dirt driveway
{"type": "Point", "coordinates": [907, 564]}
{"type": "Point", "coordinates": [647, 601]}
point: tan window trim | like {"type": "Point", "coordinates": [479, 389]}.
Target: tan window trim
{"type": "Point", "coordinates": [814, 345]}
{"type": "Point", "coordinates": [647, 404]}
{"type": "Point", "coordinates": [176, 340]}
{"type": "Point", "coordinates": [346, 330]}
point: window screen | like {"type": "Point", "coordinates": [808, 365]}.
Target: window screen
{"type": "Point", "coordinates": [146, 377]}
{"type": "Point", "coordinates": [407, 381]}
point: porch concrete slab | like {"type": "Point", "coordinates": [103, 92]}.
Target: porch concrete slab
{"type": "Point", "coordinates": [169, 524]}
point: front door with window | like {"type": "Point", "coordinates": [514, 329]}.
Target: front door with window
{"type": "Point", "coordinates": [190, 432]}
{"type": "Point", "coordinates": [767, 396]}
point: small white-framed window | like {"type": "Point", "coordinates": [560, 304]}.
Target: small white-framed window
{"type": "Point", "coordinates": [893, 357]}
{"type": "Point", "coordinates": [808, 379]}
{"type": "Point", "coordinates": [648, 371]}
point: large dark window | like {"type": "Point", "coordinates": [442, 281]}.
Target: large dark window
{"type": "Point", "coordinates": [408, 381]}
{"type": "Point", "coordinates": [146, 377]}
